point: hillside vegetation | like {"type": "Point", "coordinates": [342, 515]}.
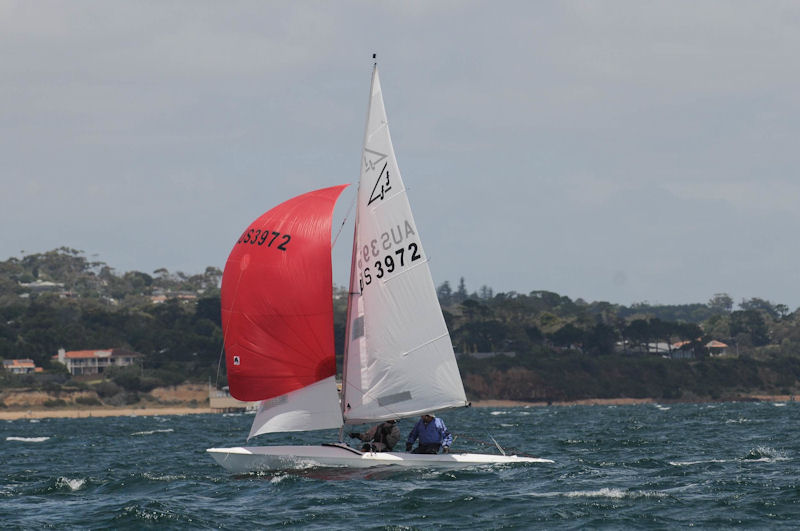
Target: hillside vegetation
{"type": "Point", "coordinates": [550, 347]}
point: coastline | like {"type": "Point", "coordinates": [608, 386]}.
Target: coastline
{"type": "Point", "coordinates": [101, 412]}
{"type": "Point", "coordinates": [38, 413]}
{"type": "Point", "coordinates": [630, 401]}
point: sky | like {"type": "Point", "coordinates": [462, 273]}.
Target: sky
{"type": "Point", "coordinates": [621, 151]}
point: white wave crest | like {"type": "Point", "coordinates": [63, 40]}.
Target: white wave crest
{"type": "Point", "coordinates": [151, 432]}
{"type": "Point", "coordinates": [154, 477]}
{"type": "Point", "coordinates": [605, 492]}
{"type": "Point", "coordinates": [498, 413]}
{"type": "Point", "coordinates": [764, 454]}
{"type": "Point", "coordinates": [28, 439]}
{"type": "Point", "coordinates": [740, 420]}
{"type": "Point", "coordinates": [72, 484]}
{"type": "Point", "coordinates": [699, 462]}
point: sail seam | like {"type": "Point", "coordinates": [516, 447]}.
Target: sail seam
{"type": "Point", "coordinates": [385, 201]}
{"type": "Point", "coordinates": [401, 273]}
{"type": "Point", "coordinates": [435, 339]}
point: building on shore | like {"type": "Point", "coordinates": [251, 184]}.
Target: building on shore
{"type": "Point", "coordinates": [21, 366]}
{"type": "Point", "coordinates": [220, 400]}
{"type": "Point", "coordinates": [80, 362]}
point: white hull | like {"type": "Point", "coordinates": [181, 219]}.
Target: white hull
{"type": "Point", "coordinates": [242, 460]}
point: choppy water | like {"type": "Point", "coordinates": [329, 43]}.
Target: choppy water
{"type": "Point", "coordinates": [645, 466]}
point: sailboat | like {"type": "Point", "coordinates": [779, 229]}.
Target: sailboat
{"type": "Point", "coordinates": [277, 318]}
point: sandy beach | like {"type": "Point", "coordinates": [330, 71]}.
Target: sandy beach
{"type": "Point", "coordinates": [101, 412]}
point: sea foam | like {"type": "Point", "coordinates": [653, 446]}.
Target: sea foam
{"type": "Point", "coordinates": [71, 484]}
{"type": "Point", "coordinates": [151, 432]}
{"type": "Point", "coordinates": [28, 439]}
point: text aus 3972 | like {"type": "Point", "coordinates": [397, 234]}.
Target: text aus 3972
{"type": "Point", "coordinates": [392, 252]}
{"type": "Point", "coordinates": [266, 237]}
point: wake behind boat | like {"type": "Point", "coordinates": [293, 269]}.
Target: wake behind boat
{"type": "Point", "coordinates": [277, 318]}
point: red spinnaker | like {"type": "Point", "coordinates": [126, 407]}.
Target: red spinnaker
{"type": "Point", "coordinates": [277, 307]}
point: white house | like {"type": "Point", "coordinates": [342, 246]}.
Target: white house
{"type": "Point", "coordinates": [21, 366]}
{"type": "Point", "coordinates": [95, 361]}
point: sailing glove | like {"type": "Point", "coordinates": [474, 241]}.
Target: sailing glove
{"type": "Point", "coordinates": [445, 449]}
{"type": "Point", "coordinates": [408, 447]}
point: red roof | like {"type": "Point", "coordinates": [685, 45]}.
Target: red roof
{"type": "Point", "coordinates": [87, 354]}
{"type": "Point", "coordinates": [23, 364]}
{"type": "Point", "coordinates": [716, 344]}
{"type": "Point", "coordinates": [73, 354]}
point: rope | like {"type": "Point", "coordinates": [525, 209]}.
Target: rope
{"type": "Point", "coordinates": [225, 332]}
{"type": "Point", "coordinates": [508, 449]}
{"type": "Point", "coordinates": [346, 217]}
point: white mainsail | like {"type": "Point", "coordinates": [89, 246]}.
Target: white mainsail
{"type": "Point", "coordinates": [399, 358]}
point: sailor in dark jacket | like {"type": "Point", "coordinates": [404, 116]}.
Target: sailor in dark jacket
{"type": "Point", "coordinates": [379, 438]}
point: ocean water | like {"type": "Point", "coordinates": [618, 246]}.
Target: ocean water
{"type": "Point", "coordinates": [643, 466]}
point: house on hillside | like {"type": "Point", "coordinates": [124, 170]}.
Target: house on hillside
{"type": "Point", "coordinates": [716, 348]}
{"type": "Point", "coordinates": [21, 366]}
{"type": "Point", "coordinates": [80, 362]}
{"type": "Point", "coordinates": [682, 350]}
{"type": "Point", "coordinates": [38, 286]}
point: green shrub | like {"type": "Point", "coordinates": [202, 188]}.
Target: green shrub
{"type": "Point", "coordinates": [88, 401]}
{"type": "Point", "coordinates": [55, 403]}
{"type": "Point", "coordinates": [107, 389]}
{"type": "Point", "coordinates": [123, 399]}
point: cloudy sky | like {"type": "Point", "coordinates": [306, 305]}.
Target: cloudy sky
{"type": "Point", "coordinates": [623, 151]}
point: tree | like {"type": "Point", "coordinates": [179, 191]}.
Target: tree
{"type": "Point", "coordinates": [461, 294]}
{"type": "Point", "coordinates": [568, 336]}
{"type": "Point", "coordinates": [756, 304]}
{"type": "Point", "coordinates": [721, 302]}
{"type": "Point", "coordinates": [748, 326]}
{"type": "Point", "coordinates": [445, 293]}
{"type": "Point", "coordinates": [600, 339]}
{"type": "Point", "coordinates": [638, 331]}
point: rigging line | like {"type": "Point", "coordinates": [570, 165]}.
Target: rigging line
{"type": "Point", "coordinates": [511, 449]}
{"type": "Point", "coordinates": [225, 332]}
{"type": "Point", "coordinates": [346, 217]}
{"type": "Point", "coordinates": [498, 446]}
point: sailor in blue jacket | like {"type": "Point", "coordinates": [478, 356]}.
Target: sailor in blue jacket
{"type": "Point", "coordinates": [432, 435]}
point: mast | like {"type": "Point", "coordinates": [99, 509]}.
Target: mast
{"type": "Point", "coordinates": [354, 290]}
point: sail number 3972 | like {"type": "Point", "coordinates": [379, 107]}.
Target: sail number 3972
{"type": "Point", "coordinates": [265, 237]}
{"type": "Point", "coordinates": [388, 264]}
